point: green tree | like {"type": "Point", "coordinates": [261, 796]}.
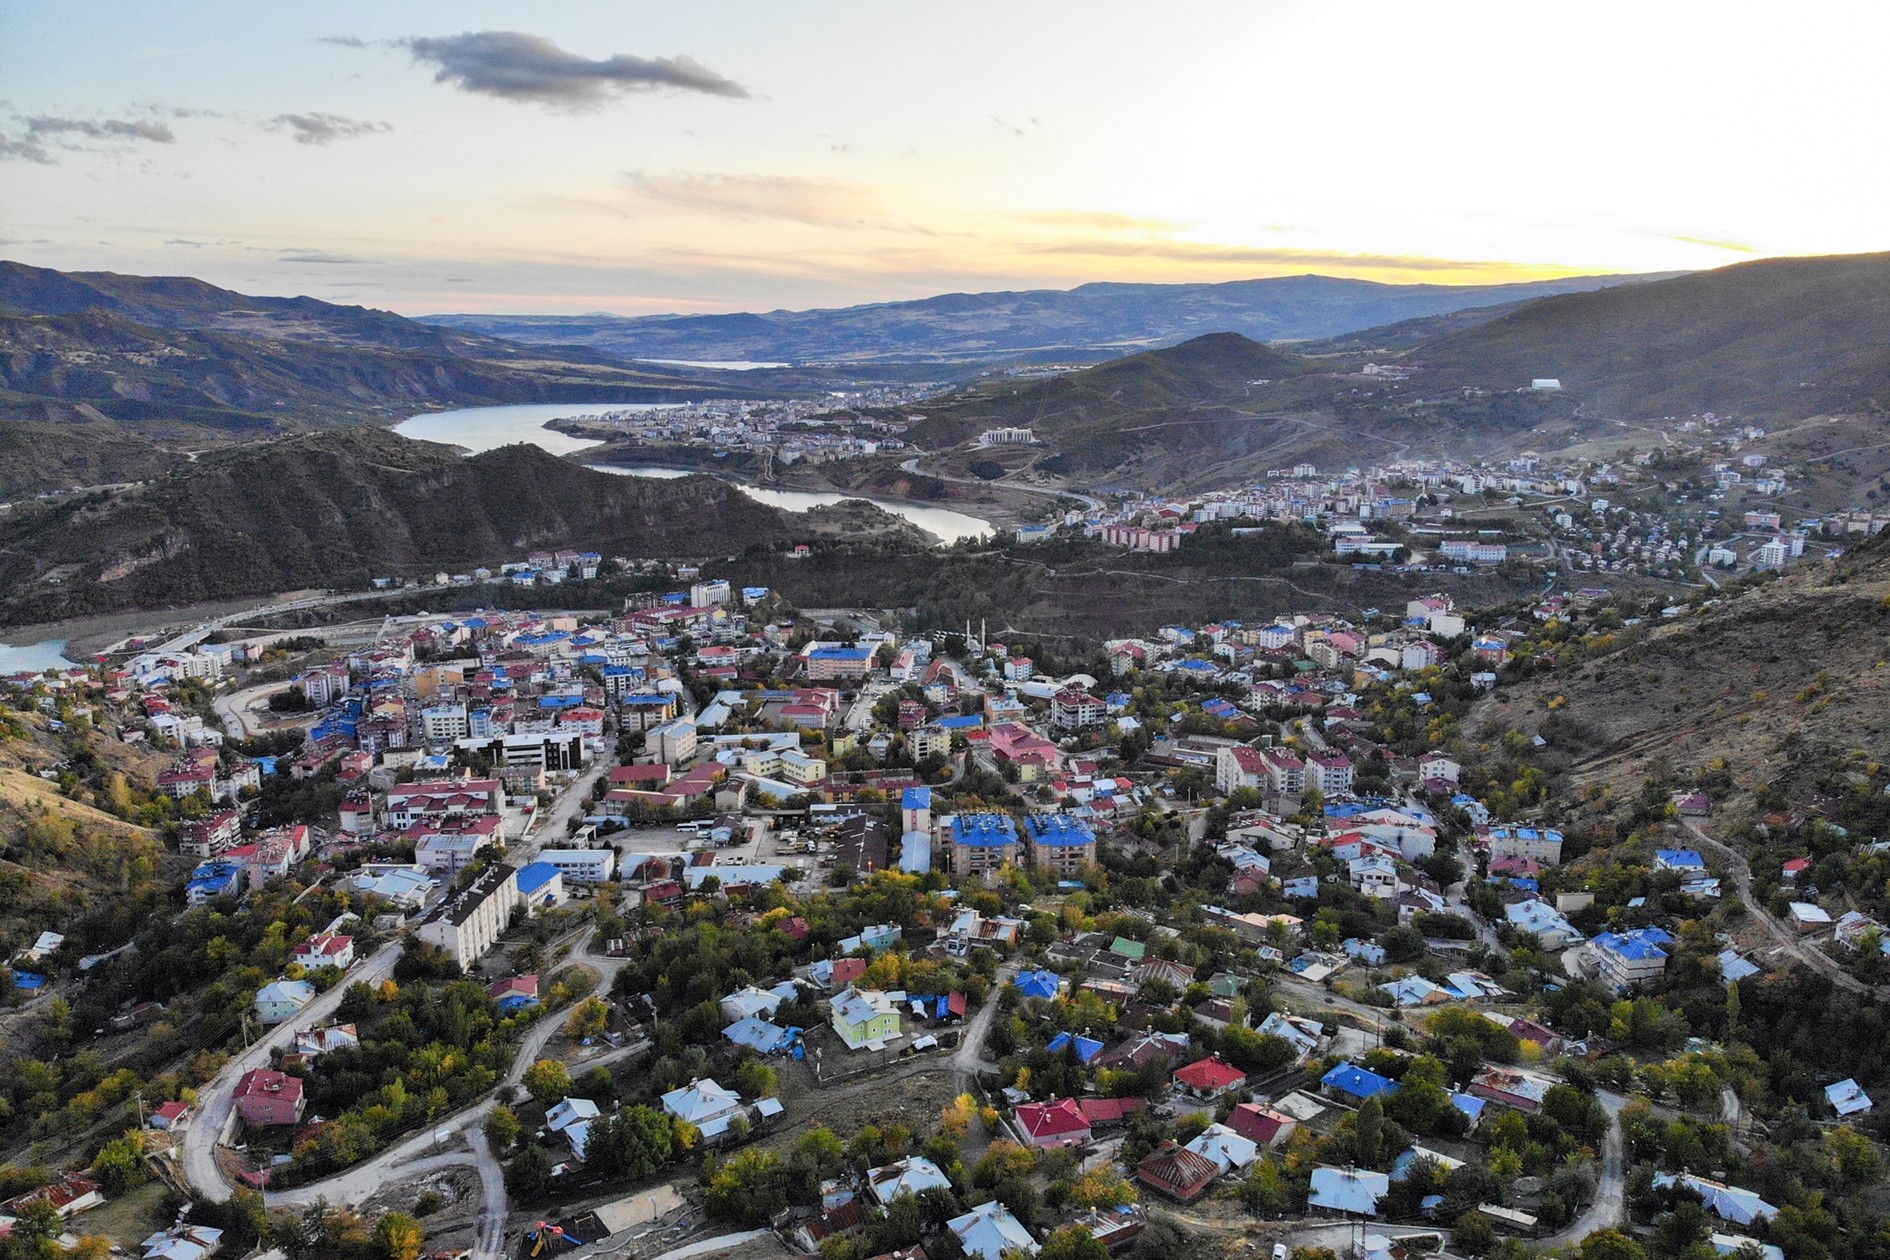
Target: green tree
{"type": "Point", "coordinates": [1072, 1242]}
{"type": "Point", "coordinates": [502, 1127]}
{"type": "Point", "coordinates": [1611, 1244]}
{"type": "Point", "coordinates": [547, 1081]}
{"type": "Point", "coordinates": [589, 1019]}
{"type": "Point", "coordinates": [530, 1173]}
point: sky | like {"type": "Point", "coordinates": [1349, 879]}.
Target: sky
{"type": "Point", "coordinates": [691, 157]}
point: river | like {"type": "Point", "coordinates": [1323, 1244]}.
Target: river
{"type": "Point", "coordinates": [483, 428]}
{"type": "Point", "coordinates": [20, 658]}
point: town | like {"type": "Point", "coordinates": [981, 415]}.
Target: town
{"type": "Point", "coordinates": [706, 918]}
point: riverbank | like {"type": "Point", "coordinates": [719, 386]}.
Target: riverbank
{"type": "Point", "coordinates": [879, 480]}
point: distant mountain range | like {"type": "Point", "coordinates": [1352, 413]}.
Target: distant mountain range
{"type": "Point", "coordinates": [1091, 320]}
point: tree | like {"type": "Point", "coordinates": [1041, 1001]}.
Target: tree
{"type": "Point", "coordinates": [547, 1081]}
{"type": "Point", "coordinates": [1473, 1234]}
{"type": "Point", "coordinates": [1611, 1244]}
{"type": "Point", "coordinates": [530, 1173]}
{"type": "Point", "coordinates": [399, 1236]}
{"type": "Point", "coordinates": [1072, 1242]}
{"type": "Point", "coordinates": [750, 1187]}
{"type": "Point", "coordinates": [502, 1127]}
{"type": "Point", "coordinates": [588, 1019]}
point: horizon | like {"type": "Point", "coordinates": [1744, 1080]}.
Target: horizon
{"type": "Point", "coordinates": [438, 159]}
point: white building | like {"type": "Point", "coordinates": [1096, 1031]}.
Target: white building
{"type": "Point", "coordinates": [467, 925]}
{"type": "Point", "coordinates": [582, 866]}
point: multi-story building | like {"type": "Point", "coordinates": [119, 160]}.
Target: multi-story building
{"type": "Point", "coordinates": [1630, 958]}
{"type": "Point", "coordinates": [1331, 772]}
{"type": "Point", "coordinates": [710, 594]}
{"type": "Point", "coordinates": [1073, 709]}
{"type": "Point", "coordinates": [839, 662]}
{"type": "Point", "coordinates": [468, 924]}
{"type": "Point", "coordinates": [982, 844]}
{"type": "Point", "coordinates": [409, 803]}
{"type": "Point", "coordinates": [1059, 843]}
{"type": "Point", "coordinates": [444, 723]}
{"type": "Point", "coordinates": [1286, 772]}
{"type": "Point", "coordinates": [1237, 766]}
{"type": "Point", "coordinates": [208, 836]}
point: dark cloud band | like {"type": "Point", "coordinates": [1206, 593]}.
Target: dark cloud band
{"type": "Point", "coordinates": [516, 66]}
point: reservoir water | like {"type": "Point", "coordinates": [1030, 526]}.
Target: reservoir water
{"type": "Point", "coordinates": [22, 658]}
{"type": "Point", "coordinates": [483, 428]}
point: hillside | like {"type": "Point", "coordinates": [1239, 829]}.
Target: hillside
{"type": "Point", "coordinates": [336, 509]}
{"type": "Point", "coordinates": [1782, 680]}
{"type": "Point", "coordinates": [1208, 411]}
{"type": "Point", "coordinates": [185, 365]}
{"type": "Point", "coordinates": [1036, 322]}
{"type": "Point", "coordinates": [1784, 337]}
{"type": "Point", "coordinates": [45, 456]}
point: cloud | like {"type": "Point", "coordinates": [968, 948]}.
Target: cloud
{"type": "Point", "coordinates": [1192, 252]}
{"type": "Point", "coordinates": [1098, 221]}
{"type": "Point", "coordinates": [814, 202]}
{"type": "Point", "coordinates": [519, 67]}
{"type": "Point", "coordinates": [320, 128]}
{"type": "Point", "coordinates": [23, 151]}
{"type": "Point", "coordinates": [1734, 247]}
{"type": "Point", "coordinates": [324, 258]}
{"type": "Point", "coordinates": [342, 41]}
{"type": "Point", "coordinates": [110, 129]}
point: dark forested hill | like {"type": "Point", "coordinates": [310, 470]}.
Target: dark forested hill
{"type": "Point", "coordinates": [335, 509]}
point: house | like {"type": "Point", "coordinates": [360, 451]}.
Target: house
{"type": "Point", "coordinates": [1209, 1078]}
{"type": "Point", "coordinates": [1349, 1081]}
{"type": "Point", "coordinates": [168, 1115]}
{"type": "Point", "coordinates": [1808, 917]}
{"type": "Point", "coordinates": [1229, 1150]}
{"type": "Point", "coordinates": [1301, 1033]}
{"type": "Point", "coordinates": [1513, 1087]}
{"type": "Point", "coordinates": [1050, 1125]}
{"type": "Point", "coordinates": [1729, 1203]}
{"type": "Point", "coordinates": [1348, 1191]}
{"type": "Point", "coordinates": [182, 1242]}
{"type": "Point", "coordinates": [68, 1196]}
{"type": "Point", "coordinates": [265, 1097]}
{"type": "Point", "coordinates": [750, 1000]}
{"type": "Point", "coordinates": [326, 949]}
{"type": "Point", "coordinates": [282, 1000]}
{"type": "Point", "coordinates": [1177, 1172]}
{"type": "Point", "coordinates": [863, 1017]}
{"type": "Point", "coordinates": [514, 993]}
{"type": "Point", "coordinates": [704, 1104]}
{"type": "Point", "coordinates": [1261, 1125]}
{"type": "Point", "coordinates": [911, 1175]}
{"type": "Point", "coordinates": [759, 1035]}
{"type": "Point", "coordinates": [1847, 1098]}
{"type": "Point", "coordinates": [1038, 984]}
{"type": "Point", "coordinates": [312, 1043]}
{"type": "Point", "coordinates": [571, 1119]}
{"type": "Point", "coordinates": [990, 1232]}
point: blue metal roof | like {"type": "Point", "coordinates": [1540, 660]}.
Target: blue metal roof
{"type": "Point", "coordinates": [1038, 984]}
{"type": "Point", "coordinates": [1058, 829]}
{"type": "Point", "coordinates": [984, 829]}
{"type": "Point", "coordinates": [1349, 1078]}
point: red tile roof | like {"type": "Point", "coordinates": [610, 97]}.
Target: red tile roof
{"type": "Point", "coordinates": [1210, 1075]}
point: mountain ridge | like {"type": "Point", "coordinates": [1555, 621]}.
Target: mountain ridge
{"type": "Point", "coordinates": [1101, 316]}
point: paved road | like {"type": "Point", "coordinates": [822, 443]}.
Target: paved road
{"type": "Point", "coordinates": [1782, 933]}
{"type": "Point", "coordinates": [216, 1098]}
{"type": "Point", "coordinates": [1610, 1205]}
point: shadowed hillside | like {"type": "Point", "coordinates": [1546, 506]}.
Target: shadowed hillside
{"type": "Point", "coordinates": [336, 509]}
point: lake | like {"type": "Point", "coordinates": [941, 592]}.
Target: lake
{"type": "Point", "coordinates": [484, 428]}
{"type": "Point", "coordinates": [20, 658]}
